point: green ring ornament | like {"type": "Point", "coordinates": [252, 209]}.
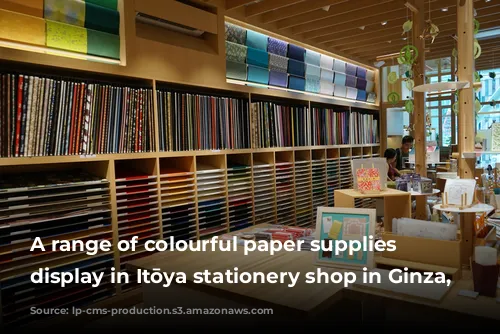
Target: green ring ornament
{"type": "Point", "coordinates": [455, 107]}
{"type": "Point", "coordinates": [477, 49]}
{"type": "Point", "coordinates": [476, 26]}
{"type": "Point", "coordinates": [392, 78]}
{"type": "Point", "coordinates": [409, 106]}
{"type": "Point", "coordinates": [409, 84]}
{"type": "Point", "coordinates": [406, 54]}
{"type": "Point", "coordinates": [454, 53]}
{"type": "Point", "coordinates": [393, 97]}
{"type": "Point", "coordinates": [477, 106]}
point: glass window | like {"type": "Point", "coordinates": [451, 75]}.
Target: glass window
{"type": "Point", "coordinates": [446, 78]}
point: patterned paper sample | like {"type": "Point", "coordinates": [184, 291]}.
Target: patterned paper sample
{"type": "Point", "coordinates": [279, 79]}
{"type": "Point", "coordinates": [258, 74]}
{"type": "Point", "coordinates": [326, 62]}
{"type": "Point", "coordinates": [327, 75]}
{"type": "Point", "coordinates": [361, 95]}
{"type": "Point", "coordinates": [370, 85]}
{"type": "Point", "coordinates": [296, 83]}
{"type": "Point", "coordinates": [352, 93]}
{"type": "Point", "coordinates": [313, 71]}
{"type": "Point", "coordinates": [296, 52]}
{"type": "Point", "coordinates": [236, 52]}
{"type": "Point", "coordinates": [22, 28]}
{"type": "Point", "coordinates": [235, 34]}
{"type": "Point", "coordinates": [66, 37]}
{"type": "Point", "coordinates": [312, 84]}
{"type": "Point", "coordinates": [65, 11]}
{"type": "Point", "coordinates": [495, 137]}
{"type": "Point", "coordinates": [277, 47]}
{"type": "Point", "coordinates": [313, 58]}
{"type": "Point", "coordinates": [237, 71]}
{"type": "Point", "coordinates": [296, 67]}
{"type": "Point", "coordinates": [326, 87]}
{"type": "Point", "coordinates": [350, 81]}
{"type": "Point", "coordinates": [278, 63]}
{"type": "Point", "coordinates": [368, 179]}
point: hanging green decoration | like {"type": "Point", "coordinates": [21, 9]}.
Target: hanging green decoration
{"type": "Point", "coordinates": [476, 26]}
{"type": "Point", "coordinates": [408, 54]}
{"type": "Point", "coordinates": [454, 52]}
{"type": "Point", "coordinates": [433, 31]}
{"type": "Point", "coordinates": [477, 106]}
{"type": "Point", "coordinates": [477, 78]}
{"type": "Point", "coordinates": [393, 97]}
{"type": "Point", "coordinates": [477, 49]}
{"type": "Point", "coordinates": [409, 84]}
{"type": "Point", "coordinates": [409, 106]}
{"type": "Point", "coordinates": [407, 26]}
{"type": "Point", "coordinates": [492, 75]}
{"type": "Point", "coordinates": [392, 78]}
{"type": "Point", "coordinates": [455, 107]}
{"type": "Point", "coordinates": [409, 74]}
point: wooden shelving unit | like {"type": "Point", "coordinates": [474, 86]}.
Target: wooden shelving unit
{"type": "Point", "coordinates": [182, 194]}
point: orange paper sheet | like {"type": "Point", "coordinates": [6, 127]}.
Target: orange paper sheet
{"type": "Point", "coordinates": [22, 28]}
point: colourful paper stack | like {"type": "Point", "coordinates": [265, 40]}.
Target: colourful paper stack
{"type": "Point", "coordinates": [89, 27]}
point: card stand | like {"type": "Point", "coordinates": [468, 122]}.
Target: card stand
{"type": "Point", "coordinates": [303, 193]}
{"type": "Point", "coordinates": [212, 204]}
{"type": "Point", "coordinates": [264, 193]}
{"type": "Point", "coordinates": [285, 213]}
{"type": "Point", "coordinates": [19, 293]}
{"type": "Point", "coordinates": [319, 185]}
{"type": "Point", "coordinates": [240, 200]}
{"type": "Point", "coordinates": [333, 179]}
{"type": "Point", "coordinates": [345, 173]}
{"type": "Point", "coordinates": [69, 204]}
{"type": "Point", "coordinates": [178, 207]}
{"type": "Point", "coordinates": [463, 201]}
{"type": "Point", "coordinates": [137, 205]}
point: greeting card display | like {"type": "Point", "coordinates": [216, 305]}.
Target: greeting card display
{"type": "Point", "coordinates": [350, 225]}
{"type": "Point", "coordinates": [370, 175]}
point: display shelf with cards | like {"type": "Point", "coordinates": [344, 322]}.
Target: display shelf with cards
{"type": "Point", "coordinates": [240, 191]}
{"type": "Point", "coordinates": [332, 173]}
{"type": "Point", "coordinates": [211, 185]}
{"type": "Point", "coordinates": [285, 194]}
{"type": "Point", "coordinates": [264, 188]}
{"type": "Point", "coordinates": [178, 198]}
{"type": "Point", "coordinates": [319, 181]}
{"type": "Point", "coordinates": [61, 203]}
{"type": "Point", "coordinates": [303, 191]}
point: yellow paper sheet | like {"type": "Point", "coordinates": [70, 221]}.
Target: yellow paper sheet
{"type": "Point", "coordinates": [22, 28]}
{"type": "Point", "coordinates": [335, 230]}
{"type": "Point", "coordinates": [66, 37]}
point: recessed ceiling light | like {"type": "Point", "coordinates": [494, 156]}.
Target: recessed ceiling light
{"type": "Point", "coordinates": [389, 42]}
{"type": "Point", "coordinates": [383, 23]}
{"type": "Point", "coordinates": [404, 38]}
{"type": "Point", "coordinates": [326, 8]}
{"type": "Point", "coordinates": [487, 0]}
{"type": "Point", "coordinates": [362, 27]}
{"type": "Point", "coordinates": [444, 9]}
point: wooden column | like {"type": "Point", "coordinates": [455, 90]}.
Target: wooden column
{"type": "Point", "coordinates": [466, 114]}
{"type": "Point", "coordinates": [419, 133]}
{"type": "Point", "coordinates": [452, 101]}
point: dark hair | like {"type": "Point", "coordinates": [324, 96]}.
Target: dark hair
{"type": "Point", "coordinates": [407, 139]}
{"type": "Point", "coordinates": [390, 153]}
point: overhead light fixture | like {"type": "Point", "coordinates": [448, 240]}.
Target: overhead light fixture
{"type": "Point", "coordinates": [383, 23]}
{"type": "Point", "coordinates": [379, 64]}
{"type": "Point", "coordinates": [362, 27]}
{"type": "Point", "coordinates": [444, 9]}
{"type": "Point", "coordinates": [404, 38]}
{"type": "Point", "coordinates": [487, 0]}
{"type": "Point", "coordinates": [326, 8]}
{"type": "Point", "coordinates": [389, 42]}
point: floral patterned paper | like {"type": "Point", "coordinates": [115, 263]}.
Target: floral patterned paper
{"type": "Point", "coordinates": [368, 179]}
{"type": "Point", "coordinates": [65, 11]}
{"type": "Point", "coordinates": [235, 34]}
{"type": "Point", "coordinates": [236, 52]}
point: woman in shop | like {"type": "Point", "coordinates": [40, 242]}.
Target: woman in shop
{"type": "Point", "coordinates": [390, 156]}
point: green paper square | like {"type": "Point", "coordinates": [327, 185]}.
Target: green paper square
{"type": "Point", "coordinates": [102, 19]}
{"type": "Point", "coordinates": [111, 4]}
{"type": "Point", "coordinates": [102, 44]}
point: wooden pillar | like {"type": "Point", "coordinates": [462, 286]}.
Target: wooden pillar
{"type": "Point", "coordinates": [466, 114]}
{"type": "Point", "coordinates": [418, 119]}
{"type": "Point", "coordinates": [452, 102]}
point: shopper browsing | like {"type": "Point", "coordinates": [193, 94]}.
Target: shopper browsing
{"type": "Point", "coordinates": [403, 151]}
{"type": "Point", "coordinates": [390, 156]}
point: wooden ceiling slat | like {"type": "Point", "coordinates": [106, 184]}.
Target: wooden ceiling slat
{"type": "Point", "coordinates": [354, 19]}
{"type": "Point", "coordinates": [291, 12]}
{"type": "Point", "coordinates": [268, 6]}
{"type": "Point", "coordinates": [443, 40]}
{"type": "Point", "coordinates": [377, 30]}
{"type": "Point", "coordinates": [232, 4]}
{"type": "Point", "coordinates": [334, 11]}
